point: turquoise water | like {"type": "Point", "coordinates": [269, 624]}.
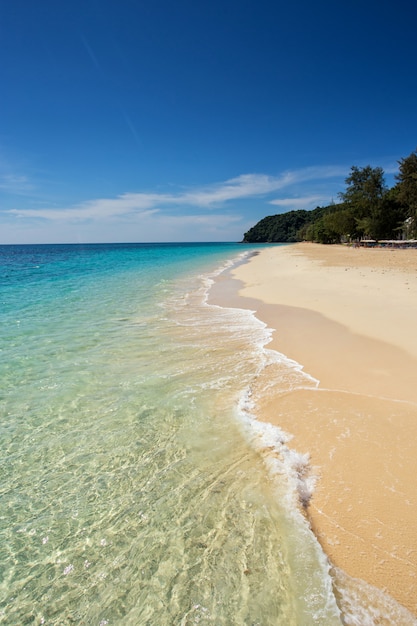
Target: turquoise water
{"type": "Point", "coordinates": [134, 486]}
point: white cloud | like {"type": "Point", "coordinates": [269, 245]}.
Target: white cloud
{"type": "Point", "coordinates": [15, 183]}
{"type": "Point", "coordinates": [216, 212]}
{"type": "Point", "coordinates": [244, 186]}
{"type": "Point", "coordinates": [305, 202]}
{"type": "Point", "coordinates": [211, 196]}
{"type": "Point", "coordinates": [319, 172]}
{"type": "Point", "coordinates": [146, 227]}
{"type": "Point", "coordinates": [391, 169]}
{"type": "Point", "coordinates": [101, 208]}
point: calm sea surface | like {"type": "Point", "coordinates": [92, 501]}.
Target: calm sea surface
{"type": "Point", "coordinates": [134, 486]}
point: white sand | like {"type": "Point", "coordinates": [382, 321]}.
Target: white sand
{"type": "Point", "coordinates": [349, 317]}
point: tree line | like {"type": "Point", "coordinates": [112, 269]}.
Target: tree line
{"type": "Point", "coordinates": [368, 209]}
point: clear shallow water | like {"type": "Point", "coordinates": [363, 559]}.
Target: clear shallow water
{"type": "Point", "coordinates": [134, 486]}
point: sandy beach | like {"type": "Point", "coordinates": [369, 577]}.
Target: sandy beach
{"type": "Point", "coordinates": [348, 316]}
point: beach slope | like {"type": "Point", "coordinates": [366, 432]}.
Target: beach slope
{"type": "Point", "coordinates": [348, 315]}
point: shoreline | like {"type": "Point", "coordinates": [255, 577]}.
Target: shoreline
{"type": "Point", "coordinates": [347, 316]}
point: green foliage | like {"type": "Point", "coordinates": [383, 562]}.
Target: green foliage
{"type": "Point", "coordinates": [368, 210]}
{"type": "Point", "coordinates": [365, 191]}
{"type": "Point", "coordinates": [283, 227]}
{"type": "Point", "coordinates": [365, 188]}
{"type": "Point", "coordinates": [407, 189]}
{"type": "Point", "coordinates": [333, 227]}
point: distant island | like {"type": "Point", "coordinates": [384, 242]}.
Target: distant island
{"type": "Point", "coordinates": [368, 209]}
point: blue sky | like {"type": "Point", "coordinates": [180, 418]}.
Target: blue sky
{"type": "Point", "coordinates": [154, 120]}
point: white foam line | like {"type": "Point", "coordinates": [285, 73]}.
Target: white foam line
{"type": "Point", "coordinates": [271, 438]}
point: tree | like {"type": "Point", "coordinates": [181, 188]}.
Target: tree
{"type": "Point", "coordinates": [407, 189]}
{"type": "Point", "coordinates": [387, 222]}
{"type": "Point", "coordinates": [278, 228]}
{"type": "Point", "coordinates": [363, 197]}
{"type": "Point", "coordinates": [334, 226]}
{"type": "Point", "coordinates": [369, 208]}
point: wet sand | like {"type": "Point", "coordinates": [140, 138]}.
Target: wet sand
{"type": "Point", "coordinates": [348, 316]}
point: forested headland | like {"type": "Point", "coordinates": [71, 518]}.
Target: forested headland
{"type": "Point", "coordinates": [368, 209]}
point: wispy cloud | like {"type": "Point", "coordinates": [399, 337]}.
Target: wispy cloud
{"type": "Point", "coordinates": [212, 196]}
{"type": "Point", "coordinates": [321, 172]}
{"type": "Point", "coordinates": [102, 208]}
{"type": "Point", "coordinates": [391, 168]}
{"type": "Point", "coordinates": [220, 211]}
{"type": "Point", "coordinates": [15, 184]}
{"type": "Point", "coordinates": [244, 186]}
{"type": "Point", "coordinates": [299, 203]}
{"type": "Point", "coordinates": [91, 54]}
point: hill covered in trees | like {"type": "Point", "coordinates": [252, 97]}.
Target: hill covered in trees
{"type": "Point", "coordinates": [368, 209]}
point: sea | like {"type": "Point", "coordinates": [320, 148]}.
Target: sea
{"type": "Point", "coordinates": [136, 486]}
